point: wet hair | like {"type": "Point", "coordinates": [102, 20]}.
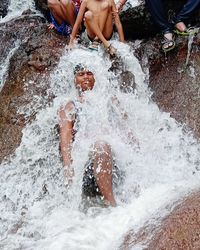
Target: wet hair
{"type": "Point", "coordinates": [79, 67]}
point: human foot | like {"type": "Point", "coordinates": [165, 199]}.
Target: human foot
{"type": "Point", "coordinates": [111, 50]}
{"type": "Point", "coordinates": [168, 42]}
{"type": "Point", "coordinates": [182, 30]}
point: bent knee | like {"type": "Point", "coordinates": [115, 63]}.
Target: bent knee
{"type": "Point", "coordinates": [88, 15]}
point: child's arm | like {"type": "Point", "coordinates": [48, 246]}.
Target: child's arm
{"type": "Point", "coordinates": [66, 120]}
{"type": "Point", "coordinates": [117, 22]}
{"type": "Point", "coordinates": [78, 22]}
{"type": "Point", "coordinates": [120, 5]}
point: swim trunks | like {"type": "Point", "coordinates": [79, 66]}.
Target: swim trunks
{"type": "Point", "coordinates": [64, 28]}
{"type": "Point", "coordinates": [90, 187]}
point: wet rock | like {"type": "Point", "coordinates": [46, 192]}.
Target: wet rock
{"type": "Point", "coordinates": [37, 52]}
{"type": "Point", "coordinates": [42, 6]}
{"type": "Point", "coordinates": [181, 229]}
{"type": "Point", "coordinates": [175, 83]}
{"type": "Point", "coordinates": [176, 87]}
{"type": "Point", "coordinates": [4, 7]}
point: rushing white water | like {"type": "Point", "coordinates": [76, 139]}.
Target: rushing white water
{"type": "Point", "coordinates": [16, 7]}
{"type": "Point", "coordinates": [5, 65]}
{"type": "Point", "coordinates": [39, 212]}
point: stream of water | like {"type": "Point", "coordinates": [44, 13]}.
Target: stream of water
{"type": "Point", "coordinates": [39, 212]}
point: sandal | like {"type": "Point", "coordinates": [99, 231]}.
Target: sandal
{"type": "Point", "coordinates": [111, 50]}
{"type": "Point", "coordinates": [187, 31]}
{"type": "Point", "coordinates": [94, 46]}
{"type": "Point", "coordinates": [168, 44]}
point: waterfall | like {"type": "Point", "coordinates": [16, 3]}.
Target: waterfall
{"type": "Point", "coordinates": [39, 212]}
{"type": "Point", "coordinates": [16, 7]}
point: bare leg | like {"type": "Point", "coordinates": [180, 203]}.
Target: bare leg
{"type": "Point", "coordinates": [96, 25]}
{"type": "Point", "coordinates": [102, 164]}
{"type": "Point", "coordinates": [63, 10]}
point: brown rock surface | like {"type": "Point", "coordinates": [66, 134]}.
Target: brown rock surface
{"type": "Point", "coordinates": [181, 230]}
{"type": "Point", "coordinates": [29, 69]}
{"type": "Point", "coordinates": [175, 85]}
{"type": "Point", "coordinates": [178, 231]}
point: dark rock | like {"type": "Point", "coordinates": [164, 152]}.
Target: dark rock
{"type": "Point", "coordinates": [4, 7]}
{"type": "Point", "coordinates": [42, 6]}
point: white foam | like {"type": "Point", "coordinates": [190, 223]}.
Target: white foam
{"type": "Point", "coordinates": [161, 171]}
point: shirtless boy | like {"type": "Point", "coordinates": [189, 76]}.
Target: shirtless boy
{"type": "Point", "coordinates": [63, 15]}
{"type": "Point", "coordinates": [95, 182]}
{"type": "Point", "coordinates": [98, 17]}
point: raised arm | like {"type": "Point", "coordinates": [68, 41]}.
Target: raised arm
{"type": "Point", "coordinates": [117, 22]}
{"type": "Point", "coordinates": [66, 121]}
{"type": "Point", "coordinates": [77, 24]}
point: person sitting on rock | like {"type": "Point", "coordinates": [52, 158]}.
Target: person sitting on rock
{"type": "Point", "coordinates": [100, 171]}
{"type": "Point", "coordinates": [63, 15]}
{"type": "Point", "coordinates": [178, 26]}
{"type": "Point", "coordinates": [98, 17]}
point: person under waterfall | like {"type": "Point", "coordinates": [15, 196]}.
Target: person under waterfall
{"type": "Point", "coordinates": [101, 171]}
{"type": "Point", "coordinates": [98, 18]}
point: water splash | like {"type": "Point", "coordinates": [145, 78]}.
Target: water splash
{"type": "Point", "coordinates": [5, 65]}
{"type": "Point", "coordinates": [37, 212]}
{"type": "Point", "coordinates": [190, 41]}
{"type": "Point", "coordinates": [16, 8]}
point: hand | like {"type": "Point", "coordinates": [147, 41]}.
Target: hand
{"type": "Point", "coordinates": [51, 26]}
{"type": "Point", "coordinates": [68, 175]}
{"type": "Point", "coordinates": [71, 43]}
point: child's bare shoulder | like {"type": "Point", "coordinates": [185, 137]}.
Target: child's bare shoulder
{"type": "Point", "coordinates": [84, 1]}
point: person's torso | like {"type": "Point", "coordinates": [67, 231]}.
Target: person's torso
{"type": "Point", "coordinates": [97, 7]}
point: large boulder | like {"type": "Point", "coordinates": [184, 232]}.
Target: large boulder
{"type": "Point", "coordinates": [37, 52]}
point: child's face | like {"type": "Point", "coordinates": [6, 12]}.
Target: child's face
{"type": "Point", "coordinates": [84, 80]}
